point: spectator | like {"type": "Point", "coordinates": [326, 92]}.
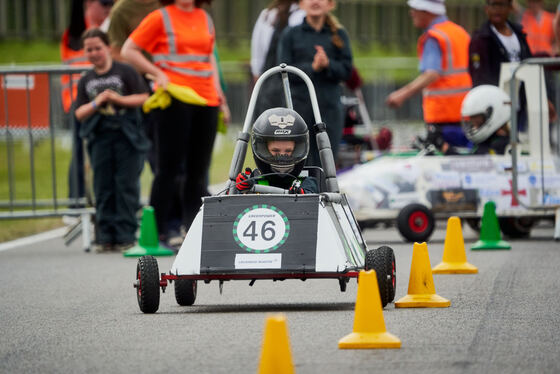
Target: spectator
{"type": "Point", "coordinates": [264, 46]}
{"type": "Point", "coordinates": [84, 14]}
{"type": "Point", "coordinates": [497, 41]}
{"type": "Point", "coordinates": [126, 15]}
{"type": "Point", "coordinates": [107, 105]}
{"type": "Point", "coordinates": [444, 80]}
{"type": "Point", "coordinates": [180, 37]}
{"type": "Point", "coordinates": [280, 157]}
{"type": "Point", "coordinates": [538, 25]}
{"type": "Point", "coordinates": [556, 26]}
{"type": "Point", "coordinates": [321, 48]}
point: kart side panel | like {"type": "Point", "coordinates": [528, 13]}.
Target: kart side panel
{"type": "Point", "coordinates": [224, 252]}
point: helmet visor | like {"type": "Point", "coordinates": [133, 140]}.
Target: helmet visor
{"type": "Point", "coordinates": [283, 152]}
{"type": "Point", "coordinates": [474, 125]}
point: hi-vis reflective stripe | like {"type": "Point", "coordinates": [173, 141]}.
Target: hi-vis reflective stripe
{"type": "Point", "coordinates": [169, 31]}
{"type": "Point", "coordinates": [180, 58]}
{"type": "Point", "coordinates": [196, 73]}
{"type": "Point", "coordinates": [449, 70]}
{"type": "Point", "coordinates": [445, 91]}
{"type": "Point", "coordinates": [163, 59]}
{"type": "Point", "coordinates": [70, 61]}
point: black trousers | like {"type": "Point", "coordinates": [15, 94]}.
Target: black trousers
{"type": "Point", "coordinates": [117, 166]}
{"type": "Point", "coordinates": [184, 137]}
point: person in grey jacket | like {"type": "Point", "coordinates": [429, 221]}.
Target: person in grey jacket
{"type": "Point", "coordinates": [321, 48]}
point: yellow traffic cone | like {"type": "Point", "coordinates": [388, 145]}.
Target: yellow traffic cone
{"type": "Point", "coordinates": [369, 327]}
{"type": "Point", "coordinates": [275, 356]}
{"type": "Point", "coordinates": [421, 289]}
{"type": "Point", "coordinates": [454, 255]}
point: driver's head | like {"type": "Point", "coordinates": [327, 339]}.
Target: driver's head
{"type": "Point", "coordinates": [280, 141]}
{"type": "Point", "coordinates": [484, 111]}
{"type": "Point", "coordinates": [281, 147]}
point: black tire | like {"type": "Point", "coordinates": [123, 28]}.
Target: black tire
{"type": "Point", "coordinates": [382, 260]}
{"type": "Point", "coordinates": [147, 284]}
{"type": "Point", "coordinates": [473, 223]}
{"type": "Point", "coordinates": [185, 291]}
{"type": "Point", "coordinates": [516, 228]}
{"type": "Point", "coordinates": [416, 223]}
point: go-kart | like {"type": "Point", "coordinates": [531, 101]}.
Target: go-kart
{"type": "Point", "coordinates": [415, 189]}
{"type": "Point", "coordinates": [270, 234]}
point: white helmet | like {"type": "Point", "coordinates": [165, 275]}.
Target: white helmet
{"type": "Point", "coordinates": [484, 110]}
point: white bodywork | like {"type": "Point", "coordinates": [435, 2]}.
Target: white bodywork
{"type": "Point", "coordinates": [340, 246]}
{"type": "Point", "coordinates": [379, 189]}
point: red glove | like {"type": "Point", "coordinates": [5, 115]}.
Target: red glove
{"type": "Point", "coordinates": [296, 188]}
{"type": "Point", "coordinates": [242, 183]}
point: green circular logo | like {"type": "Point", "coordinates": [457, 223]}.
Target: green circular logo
{"type": "Point", "coordinates": [261, 228]}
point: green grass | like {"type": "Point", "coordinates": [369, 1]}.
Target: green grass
{"type": "Point", "coordinates": [19, 52]}
{"type": "Point", "coordinates": [20, 154]}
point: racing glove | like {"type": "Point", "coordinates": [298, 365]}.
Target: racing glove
{"type": "Point", "coordinates": [242, 182]}
{"type": "Point", "coordinates": [296, 188]}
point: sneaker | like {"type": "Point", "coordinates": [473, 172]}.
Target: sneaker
{"type": "Point", "coordinates": [103, 247]}
{"type": "Point", "coordinates": [123, 247]}
{"type": "Point", "coordinates": [175, 239]}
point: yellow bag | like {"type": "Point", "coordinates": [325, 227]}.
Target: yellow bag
{"type": "Point", "coordinates": [162, 98]}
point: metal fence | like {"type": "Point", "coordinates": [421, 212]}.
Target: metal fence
{"type": "Point", "coordinates": [31, 119]}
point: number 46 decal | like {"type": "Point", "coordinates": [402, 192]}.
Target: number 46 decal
{"type": "Point", "coordinates": [267, 232]}
{"type": "Point", "coordinates": [261, 229]}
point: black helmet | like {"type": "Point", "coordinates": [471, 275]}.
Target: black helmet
{"type": "Point", "coordinates": [280, 124]}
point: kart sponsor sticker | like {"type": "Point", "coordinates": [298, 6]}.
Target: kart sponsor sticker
{"type": "Point", "coordinates": [453, 200]}
{"type": "Point", "coordinates": [261, 228]}
{"type": "Point", "coordinates": [550, 180]}
{"type": "Point", "coordinates": [444, 180]}
{"type": "Point", "coordinates": [468, 164]}
{"type": "Point", "coordinates": [258, 260]}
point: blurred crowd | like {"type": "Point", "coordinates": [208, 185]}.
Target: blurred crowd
{"type": "Point", "coordinates": [154, 91]}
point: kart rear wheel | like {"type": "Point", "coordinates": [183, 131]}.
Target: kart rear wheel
{"type": "Point", "coordinates": [416, 223]}
{"type": "Point", "coordinates": [516, 228]}
{"type": "Point", "coordinates": [185, 291]}
{"type": "Point", "coordinates": [382, 260]}
{"type": "Point", "coordinates": [147, 284]}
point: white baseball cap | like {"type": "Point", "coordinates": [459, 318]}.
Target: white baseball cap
{"type": "Point", "coordinates": [431, 6]}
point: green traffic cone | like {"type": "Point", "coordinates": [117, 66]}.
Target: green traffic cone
{"type": "Point", "coordinates": [490, 236]}
{"type": "Point", "coordinates": [148, 244]}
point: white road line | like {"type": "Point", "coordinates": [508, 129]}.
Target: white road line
{"type": "Point", "coordinates": [56, 233]}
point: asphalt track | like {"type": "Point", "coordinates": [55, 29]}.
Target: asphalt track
{"type": "Point", "coordinates": [66, 311]}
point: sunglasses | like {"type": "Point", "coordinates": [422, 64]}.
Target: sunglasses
{"type": "Point", "coordinates": [107, 2]}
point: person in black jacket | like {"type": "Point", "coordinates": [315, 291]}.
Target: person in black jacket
{"type": "Point", "coordinates": [321, 48]}
{"type": "Point", "coordinates": [498, 40]}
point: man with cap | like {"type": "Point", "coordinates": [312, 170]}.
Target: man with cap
{"type": "Point", "coordinates": [444, 79]}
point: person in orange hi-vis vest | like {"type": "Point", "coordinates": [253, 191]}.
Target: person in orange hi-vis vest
{"type": "Point", "coordinates": [84, 14]}
{"type": "Point", "coordinates": [538, 25]}
{"type": "Point", "coordinates": [444, 79]}
{"type": "Point", "coordinates": [180, 38]}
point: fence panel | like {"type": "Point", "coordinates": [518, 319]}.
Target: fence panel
{"type": "Point", "coordinates": [383, 22]}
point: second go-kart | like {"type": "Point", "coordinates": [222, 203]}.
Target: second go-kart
{"type": "Point", "coordinates": [270, 234]}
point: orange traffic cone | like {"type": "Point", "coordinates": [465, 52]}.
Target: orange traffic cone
{"type": "Point", "coordinates": [454, 255]}
{"type": "Point", "coordinates": [275, 356]}
{"type": "Point", "coordinates": [421, 289]}
{"type": "Point", "coordinates": [369, 327]}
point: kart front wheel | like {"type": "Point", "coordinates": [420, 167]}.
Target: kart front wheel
{"type": "Point", "coordinates": [416, 223]}
{"type": "Point", "coordinates": [147, 284]}
{"type": "Point", "coordinates": [185, 291]}
{"type": "Point", "coordinates": [382, 260]}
